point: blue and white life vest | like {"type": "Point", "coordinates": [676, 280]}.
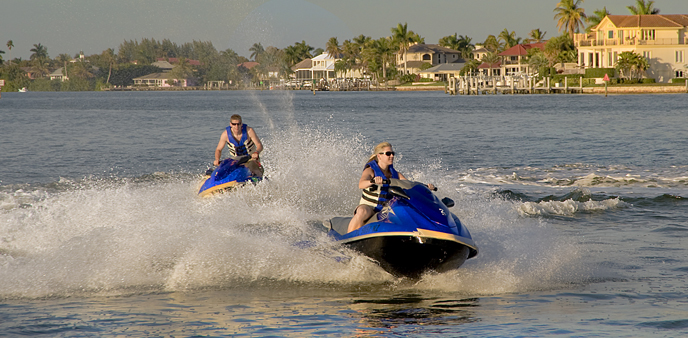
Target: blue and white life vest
{"type": "Point", "coordinates": [244, 146]}
{"type": "Point", "coordinates": [376, 195]}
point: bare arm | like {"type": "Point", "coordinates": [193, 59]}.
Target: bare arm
{"type": "Point", "coordinates": [220, 145]}
{"type": "Point", "coordinates": [367, 174]}
{"type": "Point", "coordinates": [256, 141]}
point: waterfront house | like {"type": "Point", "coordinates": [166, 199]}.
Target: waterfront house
{"type": "Point", "coordinates": [419, 53]}
{"type": "Point", "coordinates": [443, 72]}
{"type": "Point", "coordinates": [303, 70]}
{"type": "Point", "coordinates": [58, 74]}
{"type": "Point", "coordinates": [514, 59]}
{"type": "Point", "coordinates": [163, 80]}
{"type": "Point", "coordinates": [661, 38]}
{"type": "Point", "coordinates": [480, 52]}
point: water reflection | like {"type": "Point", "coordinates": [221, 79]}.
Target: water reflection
{"type": "Point", "coordinates": [414, 309]}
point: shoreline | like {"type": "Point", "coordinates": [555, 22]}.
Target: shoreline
{"type": "Point", "coordinates": [617, 90]}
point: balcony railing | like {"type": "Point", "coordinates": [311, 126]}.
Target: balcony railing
{"type": "Point", "coordinates": [629, 41]}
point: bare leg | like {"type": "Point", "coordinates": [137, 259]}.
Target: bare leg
{"type": "Point", "coordinates": [361, 215]}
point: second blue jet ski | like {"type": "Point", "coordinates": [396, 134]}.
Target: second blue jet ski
{"type": "Point", "coordinates": [413, 234]}
{"type": "Point", "coordinates": [231, 173]}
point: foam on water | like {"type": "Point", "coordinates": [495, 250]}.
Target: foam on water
{"type": "Point", "coordinates": [118, 236]}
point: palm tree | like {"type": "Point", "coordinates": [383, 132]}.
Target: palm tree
{"type": "Point", "coordinates": [380, 51]}
{"type": "Point", "coordinates": [39, 52]}
{"type": "Point", "coordinates": [64, 58]}
{"type": "Point", "coordinates": [450, 41]}
{"type": "Point", "coordinates": [256, 51]}
{"type": "Point", "coordinates": [643, 8]}
{"type": "Point", "coordinates": [109, 58]}
{"type": "Point", "coordinates": [536, 35]}
{"type": "Point", "coordinates": [491, 43]}
{"type": "Point", "coordinates": [570, 16]}
{"type": "Point", "coordinates": [403, 38]}
{"type": "Point", "coordinates": [10, 44]}
{"type": "Point", "coordinates": [596, 18]}
{"type": "Point", "coordinates": [631, 65]}
{"type": "Point", "coordinates": [509, 39]}
{"type": "Point", "coordinates": [332, 48]}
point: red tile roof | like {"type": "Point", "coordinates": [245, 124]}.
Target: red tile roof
{"type": "Point", "coordinates": [486, 65]}
{"type": "Point", "coordinates": [522, 49]}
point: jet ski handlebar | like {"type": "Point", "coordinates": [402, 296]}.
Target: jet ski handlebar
{"type": "Point", "coordinates": [403, 186]}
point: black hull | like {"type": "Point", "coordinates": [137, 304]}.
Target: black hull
{"type": "Point", "coordinates": [405, 256]}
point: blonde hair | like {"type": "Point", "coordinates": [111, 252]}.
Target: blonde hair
{"type": "Point", "coordinates": [377, 149]}
{"type": "Point", "coordinates": [236, 117]}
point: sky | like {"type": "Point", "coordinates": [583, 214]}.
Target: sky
{"type": "Point", "coordinates": [91, 26]}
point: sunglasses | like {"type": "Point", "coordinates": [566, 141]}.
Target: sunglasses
{"type": "Point", "coordinates": [389, 153]}
{"type": "Point", "coordinates": [235, 124]}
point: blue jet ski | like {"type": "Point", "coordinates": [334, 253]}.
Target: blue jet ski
{"type": "Point", "coordinates": [229, 174]}
{"type": "Point", "coordinates": [414, 233]}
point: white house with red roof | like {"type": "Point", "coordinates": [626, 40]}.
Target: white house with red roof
{"type": "Point", "coordinates": [514, 59]}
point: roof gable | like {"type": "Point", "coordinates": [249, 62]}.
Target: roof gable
{"type": "Point", "coordinates": [649, 21]}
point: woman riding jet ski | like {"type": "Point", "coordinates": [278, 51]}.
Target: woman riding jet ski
{"type": "Point", "coordinates": [244, 163]}
{"type": "Point", "coordinates": [401, 224]}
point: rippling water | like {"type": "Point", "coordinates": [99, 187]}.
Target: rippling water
{"type": "Point", "coordinates": [577, 203]}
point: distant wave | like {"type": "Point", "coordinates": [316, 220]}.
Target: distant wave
{"type": "Point", "coordinates": [580, 175]}
{"type": "Point", "coordinates": [569, 207]}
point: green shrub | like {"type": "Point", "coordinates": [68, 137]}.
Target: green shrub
{"type": "Point", "coordinates": [679, 80]}
{"type": "Point", "coordinates": [649, 81]}
{"type": "Point", "coordinates": [44, 84]}
{"type": "Point", "coordinates": [599, 72]}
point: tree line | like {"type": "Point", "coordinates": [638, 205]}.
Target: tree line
{"type": "Point", "coordinates": [374, 57]}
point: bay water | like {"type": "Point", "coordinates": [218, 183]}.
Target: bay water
{"type": "Point", "coordinates": [577, 203]}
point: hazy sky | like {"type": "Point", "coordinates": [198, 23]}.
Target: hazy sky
{"type": "Point", "coordinates": [68, 26]}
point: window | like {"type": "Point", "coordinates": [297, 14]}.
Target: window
{"type": "Point", "coordinates": [647, 54]}
{"type": "Point", "coordinates": [610, 61]}
{"type": "Point", "coordinates": [620, 35]}
{"type": "Point", "coordinates": [426, 57]}
{"type": "Point", "coordinates": [679, 73]}
{"type": "Point", "coordinates": [610, 35]}
{"type": "Point", "coordinates": [679, 56]}
{"type": "Point", "coordinates": [647, 34]}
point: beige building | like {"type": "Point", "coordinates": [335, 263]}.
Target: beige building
{"type": "Point", "coordinates": [418, 54]}
{"type": "Point", "coordinates": [662, 39]}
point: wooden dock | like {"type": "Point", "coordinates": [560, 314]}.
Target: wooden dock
{"type": "Point", "coordinates": [484, 85]}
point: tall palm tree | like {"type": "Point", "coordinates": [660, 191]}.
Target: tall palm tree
{"type": "Point", "coordinates": [381, 50]}
{"type": "Point", "coordinates": [332, 48]}
{"type": "Point", "coordinates": [596, 18]}
{"type": "Point", "coordinates": [109, 57]}
{"type": "Point", "coordinates": [643, 8]}
{"type": "Point", "coordinates": [536, 35]}
{"type": "Point", "coordinates": [570, 16]}
{"type": "Point", "coordinates": [257, 51]}
{"type": "Point", "coordinates": [10, 45]}
{"type": "Point", "coordinates": [403, 38]}
{"type": "Point", "coordinates": [64, 58]}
